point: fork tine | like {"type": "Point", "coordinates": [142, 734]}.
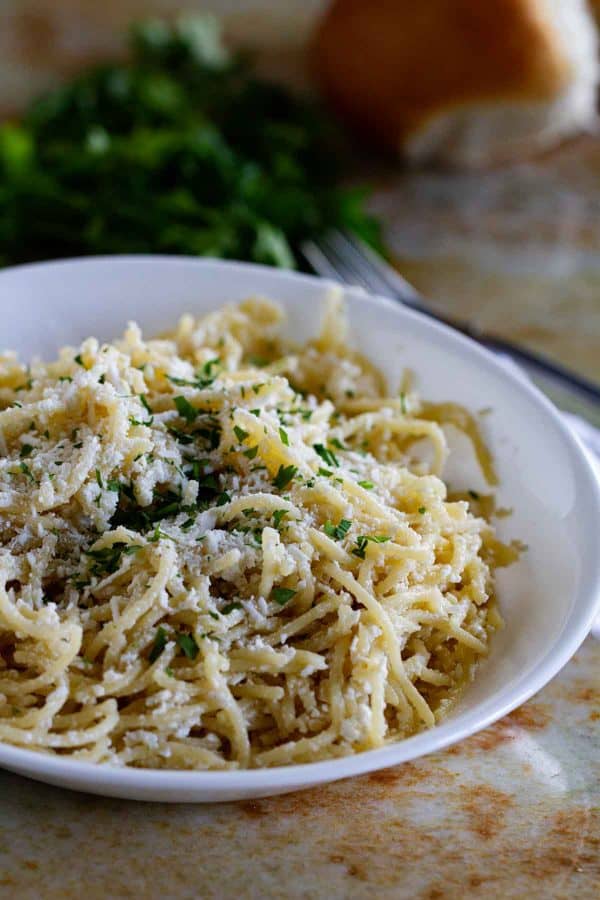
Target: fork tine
{"type": "Point", "coordinates": [323, 259]}
{"type": "Point", "coordinates": [357, 263]}
{"type": "Point", "coordinates": [319, 262]}
{"type": "Point", "coordinates": [390, 279]}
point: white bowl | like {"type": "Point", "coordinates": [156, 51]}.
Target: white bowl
{"type": "Point", "coordinates": [548, 599]}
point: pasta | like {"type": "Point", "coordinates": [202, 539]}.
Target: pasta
{"type": "Point", "coordinates": [218, 551]}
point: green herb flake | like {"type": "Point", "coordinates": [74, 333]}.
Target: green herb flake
{"type": "Point", "coordinates": [367, 485]}
{"type": "Point", "coordinates": [185, 409]}
{"type": "Point", "coordinates": [25, 450]}
{"type": "Point", "coordinates": [278, 515]}
{"type": "Point", "coordinates": [284, 476]}
{"type": "Point", "coordinates": [187, 644]}
{"type": "Point", "coordinates": [422, 510]}
{"type": "Point", "coordinates": [328, 456]}
{"type": "Point", "coordinates": [474, 495]}
{"type": "Point", "coordinates": [240, 434]}
{"type": "Point", "coordinates": [160, 642]}
{"type": "Point", "coordinates": [99, 479]}
{"type": "Point", "coordinates": [79, 360]}
{"type": "Point", "coordinates": [282, 595]}
{"type": "Point", "coordinates": [363, 539]}
{"type": "Point", "coordinates": [284, 437]}
{"type": "Point", "coordinates": [337, 532]}
{"type": "Point", "coordinates": [230, 608]}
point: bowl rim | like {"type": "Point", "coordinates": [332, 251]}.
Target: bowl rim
{"type": "Point", "coordinates": [575, 628]}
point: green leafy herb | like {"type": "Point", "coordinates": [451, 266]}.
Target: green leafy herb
{"type": "Point", "coordinates": [278, 515]}
{"type": "Point", "coordinates": [337, 532]}
{"type": "Point", "coordinates": [474, 495]}
{"type": "Point", "coordinates": [368, 485]}
{"type": "Point", "coordinates": [282, 595]}
{"type": "Point", "coordinates": [240, 433]}
{"type": "Point", "coordinates": [160, 642]}
{"type": "Point", "coordinates": [79, 360]}
{"type": "Point", "coordinates": [284, 437]}
{"type": "Point", "coordinates": [25, 450]}
{"type": "Point", "coordinates": [230, 608]}
{"type": "Point", "coordinates": [363, 539]}
{"type": "Point", "coordinates": [251, 453]}
{"type": "Point", "coordinates": [186, 410]}
{"type": "Point", "coordinates": [285, 474]}
{"type": "Point", "coordinates": [328, 456]}
{"type": "Point", "coordinates": [99, 478]}
{"type": "Point", "coordinates": [422, 510]}
{"type": "Point", "coordinates": [187, 644]}
{"type": "Point", "coordinates": [65, 378]}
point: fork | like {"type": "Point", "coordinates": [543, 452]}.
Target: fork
{"type": "Point", "coordinates": [342, 256]}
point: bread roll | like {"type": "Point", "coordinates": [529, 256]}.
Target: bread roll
{"type": "Point", "coordinates": [461, 82]}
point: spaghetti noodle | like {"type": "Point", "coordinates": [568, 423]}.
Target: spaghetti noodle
{"type": "Point", "coordinates": [220, 551]}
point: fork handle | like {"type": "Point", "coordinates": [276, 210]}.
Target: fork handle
{"type": "Point", "coordinates": [566, 388]}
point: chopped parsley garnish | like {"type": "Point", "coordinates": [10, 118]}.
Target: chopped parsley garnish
{"type": "Point", "coordinates": [363, 539]}
{"type": "Point", "coordinates": [251, 453]}
{"type": "Point", "coordinates": [181, 436]}
{"type": "Point", "coordinates": [108, 559]}
{"type": "Point", "coordinates": [337, 532]}
{"type": "Point", "coordinates": [335, 442]}
{"type": "Point", "coordinates": [99, 479]}
{"type": "Point", "coordinates": [278, 515]}
{"type": "Point", "coordinates": [422, 510]}
{"type": "Point", "coordinates": [114, 485]}
{"type": "Point", "coordinates": [160, 642]}
{"type": "Point", "coordinates": [474, 495]}
{"type": "Point", "coordinates": [65, 378]}
{"type": "Point", "coordinates": [230, 608]}
{"type": "Point", "coordinates": [144, 402]}
{"type": "Point", "coordinates": [79, 360]}
{"type": "Point", "coordinates": [285, 474]}
{"type": "Point", "coordinates": [255, 412]}
{"type": "Point", "coordinates": [367, 485]}
{"type": "Point", "coordinates": [102, 379]}
{"type": "Point", "coordinates": [284, 437]}
{"type": "Point", "coordinates": [328, 456]}
{"type": "Point", "coordinates": [26, 471]}
{"type": "Point", "coordinates": [186, 410]}
{"type": "Point", "coordinates": [240, 434]}
{"type": "Point", "coordinates": [327, 473]}
{"type": "Point", "coordinates": [282, 595]}
{"type": "Point", "coordinates": [26, 450]}
{"type": "Point", "coordinates": [188, 645]}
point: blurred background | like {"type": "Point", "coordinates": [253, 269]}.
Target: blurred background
{"type": "Point", "coordinates": [472, 127]}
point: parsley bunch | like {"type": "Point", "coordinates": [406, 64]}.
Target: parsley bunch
{"type": "Point", "coordinates": [181, 150]}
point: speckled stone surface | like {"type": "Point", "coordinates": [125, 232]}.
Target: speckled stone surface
{"type": "Point", "coordinates": [513, 812]}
